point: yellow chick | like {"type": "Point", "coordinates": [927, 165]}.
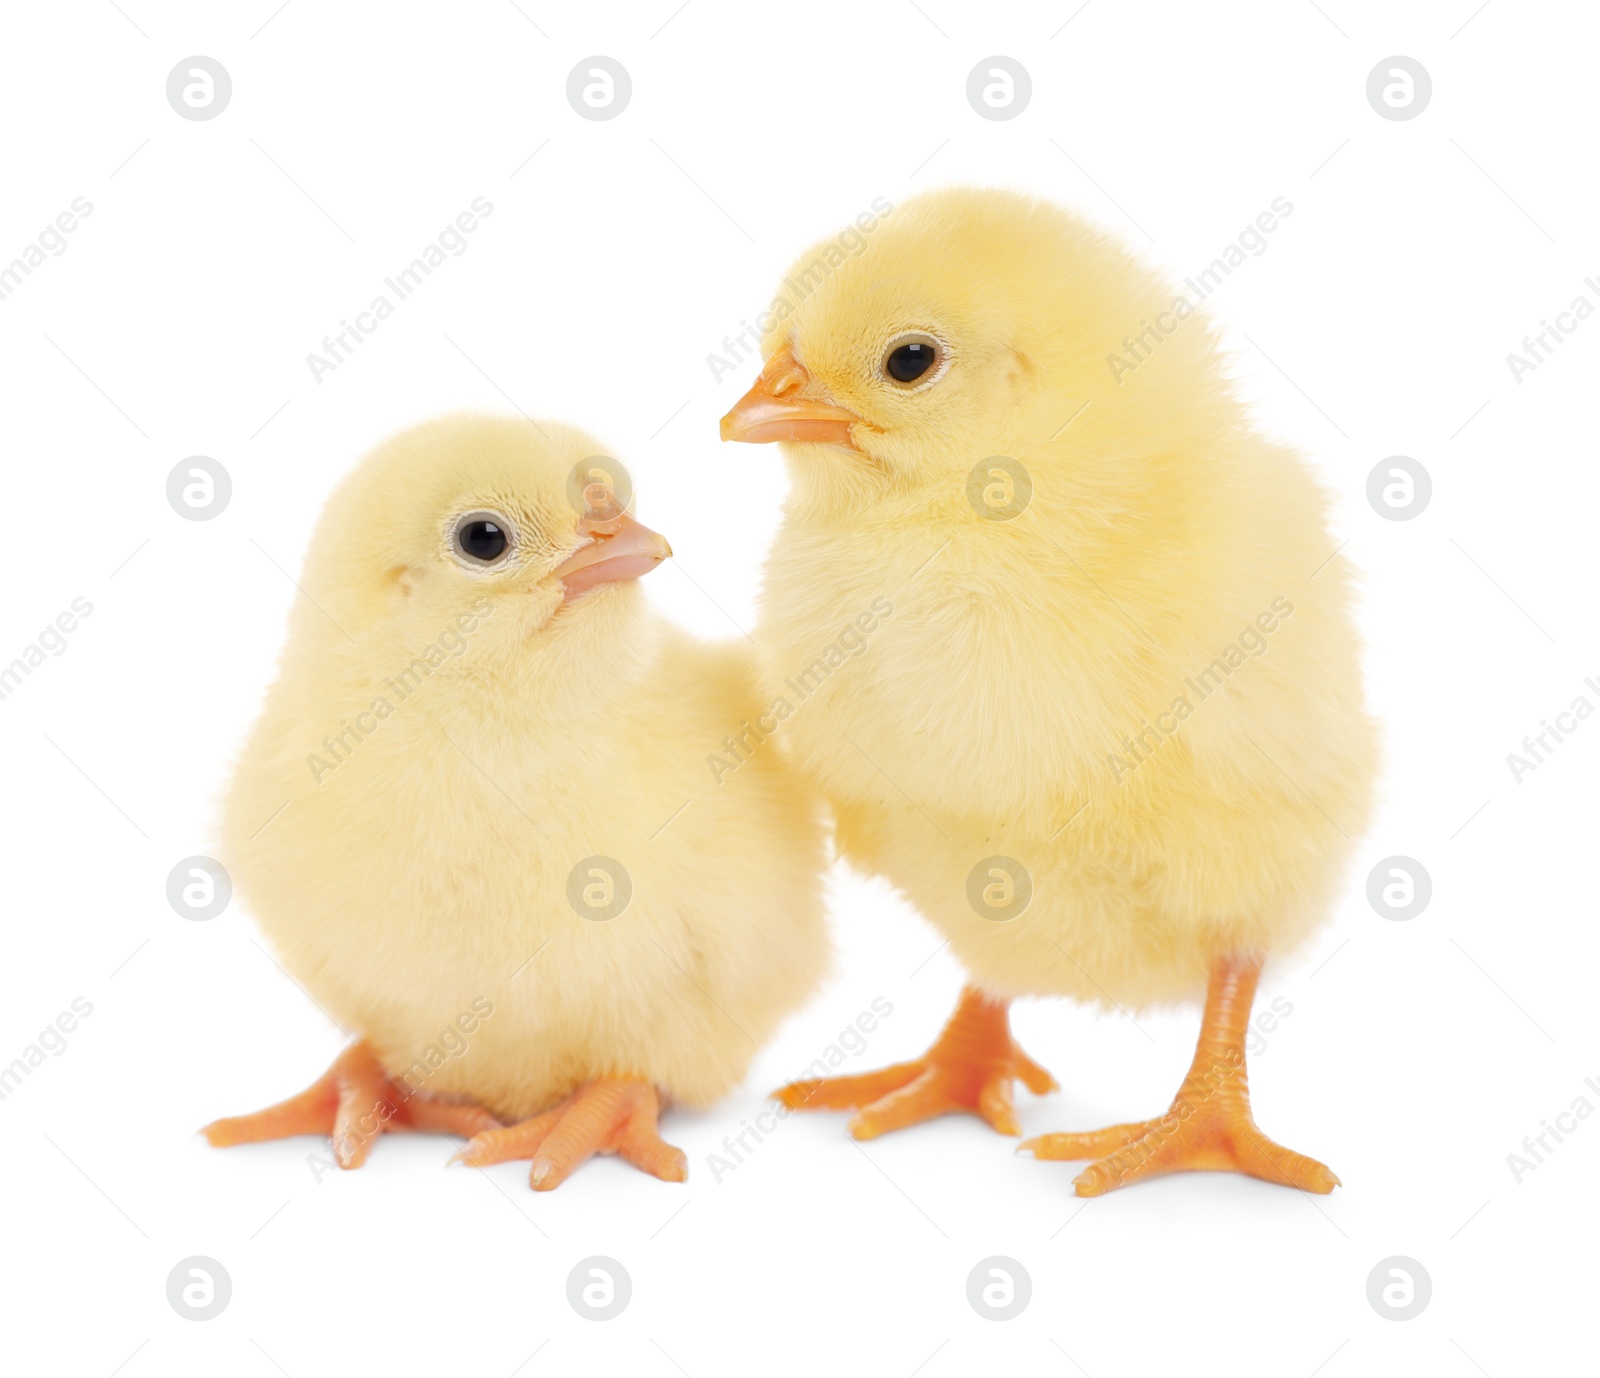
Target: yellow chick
{"type": "Point", "coordinates": [476, 820]}
{"type": "Point", "coordinates": [1107, 730]}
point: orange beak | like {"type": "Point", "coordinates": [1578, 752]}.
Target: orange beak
{"type": "Point", "coordinates": [777, 408]}
{"type": "Point", "coordinates": [621, 548]}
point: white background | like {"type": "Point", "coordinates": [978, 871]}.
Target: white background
{"type": "Point", "coordinates": [1378, 322]}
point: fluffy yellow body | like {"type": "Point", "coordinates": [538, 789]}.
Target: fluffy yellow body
{"type": "Point", "coordinates": [415, 874]}
{"type": "Point", "coordinates": [1119, 652]}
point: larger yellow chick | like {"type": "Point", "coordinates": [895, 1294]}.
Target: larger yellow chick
{"type": "Point", "coordinates": [476, 822]}
{"type": "Point", "coordinates": [1107, 727]}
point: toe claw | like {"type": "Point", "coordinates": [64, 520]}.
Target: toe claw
{"type": "Point", "coordinates": [1092, 1181]}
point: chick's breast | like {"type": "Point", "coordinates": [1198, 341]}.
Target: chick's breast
{"type": "Point", "coordinates": [1156, 740]}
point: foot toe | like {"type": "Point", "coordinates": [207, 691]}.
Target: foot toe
{"type": "Point", "coordinates": [847, 1093]}
{"type": "Point", "coordinates": [1272, 1162]}
{"type": "Point", "coordinates": [1034, 1077]}
{"type": "Point", "coordinates": [658, 1158]}
{"type": "Point", "coordinates": [434, 1115]}
{"type": "Point", "coordinates": [1095, 1180]}
{"type": "Point", "coordinates": [504, 1144]}
{"type": "Point", "coordinates": [969, 1069]}
{"type": "Point", "coordinates": [994, 1104]}
{"type": "Point", "coordinates": [923, 1098]}
{"type": "Point", "coordinates": [608, 1115]}
{"type": "Point", "coordinates": [353, 1102]}
{"type": "Point", "coordinates": [1079, 1148]}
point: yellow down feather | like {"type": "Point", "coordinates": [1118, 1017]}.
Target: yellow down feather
{"type": "Point", "coordinates": [1145, 687]}
{"type": "Point", "coordinates": [413, 876]}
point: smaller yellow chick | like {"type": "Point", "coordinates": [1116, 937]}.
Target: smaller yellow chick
{"type": "Point", "coordinates": [476, 820]}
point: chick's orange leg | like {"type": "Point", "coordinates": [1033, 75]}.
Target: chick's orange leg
{"type": "Point", "coordinates": [353, 1102]}
{"type": "Point", "coordinates": [970, 1068]}
{"type": "Point", "coordinates": [609, 1115]}
{"type": "Point", "coordinates": [1209, 1127]}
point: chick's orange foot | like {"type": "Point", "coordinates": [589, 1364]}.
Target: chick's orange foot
{"type": "Point", "coordinates": [970, 1069]}
{"type": "Point", "coordinates": [1209, 1127]}
{"type": "Point", "coordinates": [609, 1115]}
{"type": "Point", "coordinates": [353, 1102]}
{"type": "Point", "coordinates": [1213, 1139]}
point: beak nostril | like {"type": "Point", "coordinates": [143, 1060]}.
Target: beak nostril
{"type": "Point", "coordinates": [599, 527]}
{"type": "Point", "coordinates": [783, 374]}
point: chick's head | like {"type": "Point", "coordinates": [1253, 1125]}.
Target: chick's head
{"type": "Point", "coordinates": [513, 527]}
{"type": "Point", "coordinates": [966, 323]}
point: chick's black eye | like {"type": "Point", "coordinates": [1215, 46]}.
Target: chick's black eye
{"type": "Point", "coordinates": [481, 538]}
{"type": "Point", "coordinates": [910, 360]}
